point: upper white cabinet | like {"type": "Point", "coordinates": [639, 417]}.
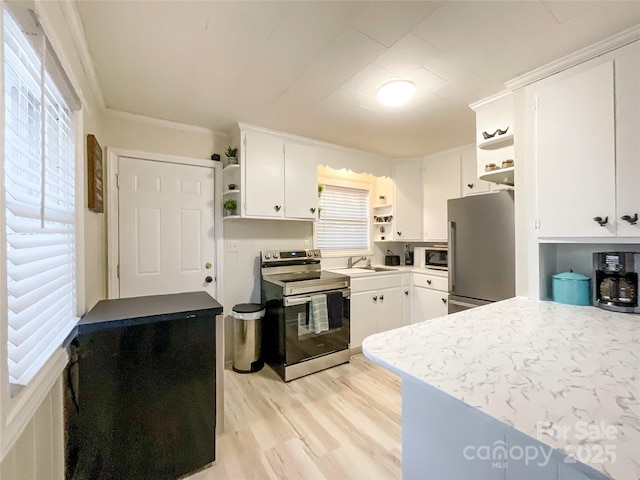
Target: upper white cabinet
{"type": "Point", "coordinates": [440, 182]}
{"type": "Point", "coordinates": [586, 149]}
{"type": "Point", "coordinates": [408, 200]}
{"type": "Point", "coordinates": [280, 177]}
{"type": "Point", "coordinates": [300, 181]}
{"type": "Point", "coordinates": [470, 184]}
{"type": "Point", "coordinates": [263, 166]}
{"type": "Point", "coordinates": [627, 78]}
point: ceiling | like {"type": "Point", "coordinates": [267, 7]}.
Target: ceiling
{"type": "Point", "coordinates": [312, 68]}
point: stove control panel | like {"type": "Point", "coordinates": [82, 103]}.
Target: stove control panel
{"type": "Point", "coordinates": [289, 255]}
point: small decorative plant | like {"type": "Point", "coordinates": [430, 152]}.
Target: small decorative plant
{"type": "Point", "coordinates": [230, 207]}
{"type": "Point", "coordinates": [231, 152]}
{"type": "Point", "coordinates": [320, 188]}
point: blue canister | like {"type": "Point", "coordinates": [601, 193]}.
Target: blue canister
{"type": "Point", "coordinates": [571, 288]}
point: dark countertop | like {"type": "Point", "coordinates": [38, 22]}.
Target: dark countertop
{"type": "Point", "coordinates": [120, 312]}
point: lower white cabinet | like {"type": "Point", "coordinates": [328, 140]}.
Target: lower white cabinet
{"type": "Point", "coordinates": [429, 297]}
{"type": "Point", "coordinates": [406, 299]}
{"type": "Point", "coordinates": [373, 309]}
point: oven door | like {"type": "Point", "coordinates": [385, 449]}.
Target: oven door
{"type": "Point", "coordinates": [301, 342]}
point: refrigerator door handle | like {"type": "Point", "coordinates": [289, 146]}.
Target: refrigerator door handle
{"type": "Point", "coordinates": [452, 255]}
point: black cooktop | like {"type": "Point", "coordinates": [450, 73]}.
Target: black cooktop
{"type": "Point", "coordinates": [303, 276]}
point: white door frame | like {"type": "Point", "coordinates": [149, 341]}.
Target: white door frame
{"type": "Point", "coordinates": [111, 189]}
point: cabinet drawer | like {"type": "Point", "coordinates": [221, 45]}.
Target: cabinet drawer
{"type": "Point", "coordinates": [431, 281]}
{"type": "Point", "coordinates": [375, 283]}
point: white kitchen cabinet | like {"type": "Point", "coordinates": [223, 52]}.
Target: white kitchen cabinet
{"type": "Point", "coordinates": [575, 154]}
{"type": "Point", "coordinates": [280, 177]}
{"type": "Point", "coordinates": [408, 201]}
{"type": "Point", "coordinates": [586, 147]}
{"type": "Point", "coordinates": [470, 184]}
{"type": "Point", "coordinates": [364, 317]}
{"type": "Point", "coordinates": [429, 297]}
{"type": "Point", "coordinates": [263, 166]}
{"type": "Point", "coordinates": [627, 95]}
{"type": "Point", "coordinates": [406, 299]}
{"type": "Point", "coordinates": [300, 181]}
{"type": "Point", "coordinates": [440, 182]}
{"type": "Point", "coordinates": [376, 306]}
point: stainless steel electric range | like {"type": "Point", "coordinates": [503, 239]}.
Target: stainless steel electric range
{"type": "Point", "coordinates": [295, 289]}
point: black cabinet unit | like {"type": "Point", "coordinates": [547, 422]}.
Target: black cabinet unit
{"type": "Point", "coordinates": [140, 398]}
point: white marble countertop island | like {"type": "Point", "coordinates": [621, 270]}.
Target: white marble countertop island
{"type": "Point", "coordinates": [556, 373]}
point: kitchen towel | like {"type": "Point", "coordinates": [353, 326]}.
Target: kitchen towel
{"type": "Point", "coordinates": [335, 309]}
{"type": "Point", "coordinates": [318, 316]}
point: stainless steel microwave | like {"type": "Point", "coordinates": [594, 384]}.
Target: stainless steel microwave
{"type": "Point", "coordinates": [436, 257]}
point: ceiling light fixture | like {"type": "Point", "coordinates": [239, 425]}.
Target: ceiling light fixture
{"type": "Point", "coordinates": [396, 93]}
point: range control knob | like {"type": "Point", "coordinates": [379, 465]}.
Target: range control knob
{"type": "Point", "coordinates": [275, 254]}
{"type": "Point", "coordinates": [316, 253]}
{"type": "Point", "coordinates": [267, 256]}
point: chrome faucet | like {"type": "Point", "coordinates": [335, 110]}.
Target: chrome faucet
{"type": "Point", "coordinates": [351, 263]}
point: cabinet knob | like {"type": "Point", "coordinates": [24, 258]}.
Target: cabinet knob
{"type": "Point", "coordinates": [444, 300]}
{"type": "Point", "coordinates": [277, 208]}
{"type": "Point", "coordinates": [375, 299]}
{"type": "Point", "coordinates": [312, 210]}
{"type": "Point", "coordinates": [429, 282]}
{"type": "Point", "coordinates": [399, 234]}
{"type": "Point", "coordinates": [382, 298]}
{"type": "Point", "coordinates": [470, 185]}
{"type": "Point", "coordinates": [600, 221]}
{"type": "Point", "coordinates": [406, 292]}
{"type": "Point", "coordinates": [628, 218]}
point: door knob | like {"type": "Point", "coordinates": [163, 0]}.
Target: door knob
{"type": "Point", "coordinates": [628, 218]}
{"type": "Point", "coordinates": [600, 221]}
{"type": "Point", "coordinates": [208, 279]}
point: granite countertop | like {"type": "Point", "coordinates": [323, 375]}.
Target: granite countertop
{"type": "Point", "coordinates": [386, 270]}
{"type": "Point", "coordinates": [536, 366]}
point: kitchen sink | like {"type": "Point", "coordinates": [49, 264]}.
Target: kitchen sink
{"type": "Point", "coordinates": [379, 269]}
{"type": "Point", "coordinates": [363, 270]}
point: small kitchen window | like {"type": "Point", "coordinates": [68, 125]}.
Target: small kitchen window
{"type": "Point", "coordinates": [343, 226]}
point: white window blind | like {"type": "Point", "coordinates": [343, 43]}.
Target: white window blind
{"type": "Point", "coordinates": [344, 219]}
{"type": "Point", "coordinates": [39, 188]}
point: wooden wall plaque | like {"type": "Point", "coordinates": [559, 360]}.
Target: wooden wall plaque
{"type": "Point", "coordinates": [94, 174]}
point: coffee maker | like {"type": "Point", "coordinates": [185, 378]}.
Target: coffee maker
{"type": "Point", "coordinates": [616, 281]}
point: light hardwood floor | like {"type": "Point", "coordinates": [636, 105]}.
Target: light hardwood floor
{"type": "Point", "coordinates": [340, 423]}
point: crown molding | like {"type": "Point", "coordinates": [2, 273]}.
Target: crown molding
{"type": "Point", "coordinates": [481, 103]}
{"type": "Point", "coordinates": [76, 30]}
{"type": "Point", "coordinates": [612, 43]}
{"type": "Point", "coordinates": [158, 122]}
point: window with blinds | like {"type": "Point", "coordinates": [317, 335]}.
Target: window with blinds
{"type": "Point", "coordinates": [39, 194]}
{"type": "Point", "coordinates": [344, 219]}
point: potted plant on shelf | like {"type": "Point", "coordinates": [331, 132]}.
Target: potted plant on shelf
{"type": "Point", "coordinates": [231, 153]}
{"type": "Point", "coordinates": [230, 207]}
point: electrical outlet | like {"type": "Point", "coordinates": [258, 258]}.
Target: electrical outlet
{"type": "Point", "coordinates": [232, 245]}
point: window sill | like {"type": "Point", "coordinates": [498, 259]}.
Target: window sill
{"type": "Point", "coordinates": [23, 406]}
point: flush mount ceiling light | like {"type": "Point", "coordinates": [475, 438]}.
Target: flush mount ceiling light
{"type": "Point", "coordinates": [396, 93]}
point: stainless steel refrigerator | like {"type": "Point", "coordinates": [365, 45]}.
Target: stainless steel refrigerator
{"type": "Point", "coordinates": [481, 250]}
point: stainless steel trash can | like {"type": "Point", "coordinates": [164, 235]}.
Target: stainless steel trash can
{"type": "Point", "coordinates": [247, 337]}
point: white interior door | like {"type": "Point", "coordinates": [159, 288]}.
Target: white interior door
{"type": "Point", "coordinates": [166, 228]}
